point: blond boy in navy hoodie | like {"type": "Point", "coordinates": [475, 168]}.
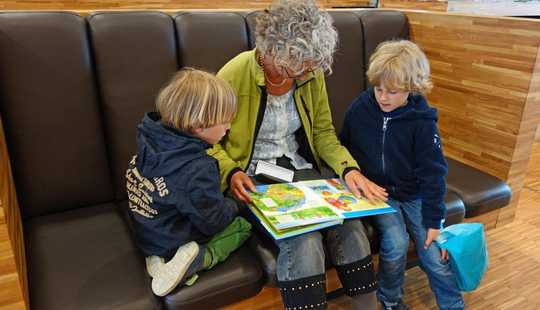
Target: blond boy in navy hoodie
{"type": "Point", "coordinates": [183, 224]}
{"type": "Point", "coordinates": [392, 133]}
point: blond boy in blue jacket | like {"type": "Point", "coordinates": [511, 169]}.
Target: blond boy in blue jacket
{"type": "Point", "coordinates": [392, 133]}
{"type": "Point", "coordinates": [183, 223]}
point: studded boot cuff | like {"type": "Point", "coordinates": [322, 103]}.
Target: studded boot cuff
{"type": "Point", "coordinates": [358, 277]}
{"type": "Point", "coordinates": [305, 293]}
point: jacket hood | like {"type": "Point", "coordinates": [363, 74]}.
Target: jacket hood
{"type": "Point", "coordinates": [162, 149]}
{"type": "Point", "coordinates": [416, 108]}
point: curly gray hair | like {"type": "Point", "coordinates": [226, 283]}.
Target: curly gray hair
{"type": "Point", "coordinates": [295, 31]}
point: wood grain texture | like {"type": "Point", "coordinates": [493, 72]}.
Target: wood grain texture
{"type": "Point", "coordinates": [428, 5]}
{"type": "Point", "coordinates": [524, 142]}
{"type": "Point", "coordinates": [128, 4]}
{"type": "Point", "coordinates": [348, 3]}
{"type": "Point", "coordinates": [13, 281]}
{"type": "Point", "coordinates": [486, 76]}
{"type": "Point", "coordinates": [532, 180]}
{"type": "Point", "coordinates": [156, 4]}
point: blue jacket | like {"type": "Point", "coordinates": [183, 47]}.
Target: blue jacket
{"type": "Point", "coordinates": [173, 189]}
{"type": "Point", "coordinates": [400, 151]}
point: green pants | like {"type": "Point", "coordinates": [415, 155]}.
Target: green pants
{"type": "Point", "coordinates": [226, 241]}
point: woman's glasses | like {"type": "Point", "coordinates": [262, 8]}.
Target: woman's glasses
{"type": "Point", "coordinates": [291, 72]}
{"type": "Point", "coordinates": [296, 74]}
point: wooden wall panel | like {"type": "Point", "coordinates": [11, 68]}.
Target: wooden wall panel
{"type": "Point", "coordinates": [428, 5]}
{"type": "Point", "coordinates": [128, 4]}
{"type": "Point", "coordinates": [348, 3]}
{"type": "Point", "coordinates": [13, 282]}
{"type": "Point", "coordinates": [486, 76]}
{"type": "Point", "coordinates": [156, 4]}
{"type": "Point", "coordinates": [524, 142]}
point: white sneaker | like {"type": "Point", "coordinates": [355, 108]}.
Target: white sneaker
{"type": "Point", "coordinates": [153, 263]}
{"type": "Point", "coordinates": [167, 276]}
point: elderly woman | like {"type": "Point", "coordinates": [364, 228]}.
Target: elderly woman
{"type": "Point", "coordinates": [283, 118]}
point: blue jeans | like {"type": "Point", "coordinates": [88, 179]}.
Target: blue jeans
{"type": "Point", "coordinates": [303, 256]}
{"type": "Point", "coordinates": [394, 237]}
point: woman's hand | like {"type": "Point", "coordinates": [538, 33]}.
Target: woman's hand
{"type": "Point", "coordinates": [239, 181]}
{"type": "Point", "coordinates": [432, 234]}
{"type": "Point", "coordinates": [357, 182]}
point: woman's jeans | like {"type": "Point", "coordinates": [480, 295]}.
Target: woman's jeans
{"type": "Point", "coordinates": [301, 265]}
{"type": "Point", "coordinates": [301, 259]}
{"type": "Point", "coordinates": [394, 229]}
{"type": "Point", "coordinates": [303, 256]}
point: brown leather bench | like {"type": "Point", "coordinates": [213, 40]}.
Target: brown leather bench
{"type": "Point", "coordinates": [72, 90]}
{"type": "Point", "coordinates": [480, 192]}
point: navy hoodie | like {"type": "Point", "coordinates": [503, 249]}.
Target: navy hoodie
{"type": "Point", "coordinates": [173, 189]}
{"type": "Point", "coordinates": [400, 151]}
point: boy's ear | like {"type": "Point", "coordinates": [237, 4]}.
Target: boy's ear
{"type": "Point", "coordinates": [196, 131]}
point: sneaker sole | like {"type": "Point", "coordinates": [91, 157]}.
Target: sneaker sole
{"type": "Point", "coordinates": [169, 276]}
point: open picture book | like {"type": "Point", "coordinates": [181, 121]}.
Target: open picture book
{"type": "Point", "coordinates": [290, 209]}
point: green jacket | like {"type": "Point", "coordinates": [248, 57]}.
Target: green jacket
{"type": "Point", "coordinates": [319, 136]}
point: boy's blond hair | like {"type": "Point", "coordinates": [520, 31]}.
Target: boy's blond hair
{"type": "Point", "coordinates": [196, 99]}
{"type": "Point", "coordinates": [400, 65]}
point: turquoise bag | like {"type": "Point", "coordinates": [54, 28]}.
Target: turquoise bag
{"type": "Point", "coordinates": [467, 247]}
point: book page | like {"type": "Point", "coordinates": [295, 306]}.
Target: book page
{"type": "Point", "coordinates": [288, 205]}
{"type": "Point", "coordinates": [336, 194]}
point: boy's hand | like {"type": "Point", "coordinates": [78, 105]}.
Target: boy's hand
{"type": "Point", "coordinates": [432, 234]}
{"type": "Point", "coordinates": [239, 181]}
{"type": "Point", "coordinates": [355, 180]}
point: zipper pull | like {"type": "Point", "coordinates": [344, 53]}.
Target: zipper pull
{"type": "Point", "coordinates": [385, 123]}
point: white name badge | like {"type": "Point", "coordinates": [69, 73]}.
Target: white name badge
{"type": "Point", "coordinates": [274, 172]}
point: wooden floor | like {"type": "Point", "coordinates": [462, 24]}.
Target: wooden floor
{"type": "Point", "coordinates": [513, 277]}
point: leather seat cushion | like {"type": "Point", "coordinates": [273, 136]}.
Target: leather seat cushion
{"type": "Point", "coordinates": [237, 278]}
{"type": "Point", "coordinates": [479, 191]}
{"type": "Point", "coordinates": [455, 209]}
{"type": "Point", "coordinates": [85, 259]}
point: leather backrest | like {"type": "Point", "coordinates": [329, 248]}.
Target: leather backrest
{"type": "Point", "coordinates": [347, 79]}
{"type": "Point", "coordinates": [135, 55]}
{"type": "Point", "coordinates": [51, 111]}
{"type": "Point", "coordinates": [380, 26]}
{"type": "Point", "coordinates": [251, 20]}
{"type": "Point", "coordinates": [208, 40]}
{"type": "Point", "coordinates": [49, 107]}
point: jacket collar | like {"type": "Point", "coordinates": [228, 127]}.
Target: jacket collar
{"type": "Point", "coordinates": [416, 107]}
{"type": "Point", "coordinates": [168, 136]}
